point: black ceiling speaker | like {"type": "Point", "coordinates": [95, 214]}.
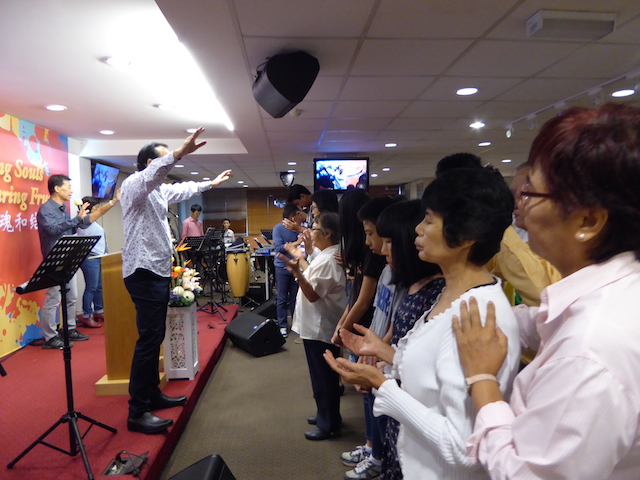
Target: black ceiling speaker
{"type": "Point", "coordinates": [284, 80]}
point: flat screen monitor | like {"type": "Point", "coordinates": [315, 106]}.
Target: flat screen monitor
{"type": "Point", "coordinates": [103, 181]}
{"type": "Point", "coordinates": [340, 174]}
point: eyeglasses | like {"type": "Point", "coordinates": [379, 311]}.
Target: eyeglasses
{"type": "Point", "coordinates": [525, 194]}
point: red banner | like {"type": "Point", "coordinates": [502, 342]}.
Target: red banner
{"type": "Point", "coordinates": [28, 156]}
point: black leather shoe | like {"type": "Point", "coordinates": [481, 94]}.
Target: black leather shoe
{"type": "Point", "coordinates": [148, 423]}
{"type": "Point", "coordinates": [312, 420]}
{"type": "Point", "coordinates": [317, 434]}
{"type": "Point", "coordinates": [164, 401]}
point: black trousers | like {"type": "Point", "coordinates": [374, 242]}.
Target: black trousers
{"type": "Point", "coordinates": [150, 294]}
{"type": "Point", "coordinates": [325, 384]}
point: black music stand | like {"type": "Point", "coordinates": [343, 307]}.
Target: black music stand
{"type": "Point", "coordinates": [194, 252]}
{"type": "Point", "coordinates": [211, 240]}
{"type": "Point", "coordinates": [58, 268]}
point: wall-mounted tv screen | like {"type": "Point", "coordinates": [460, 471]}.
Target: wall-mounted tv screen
{"type": "Point", "coordinates": [340, 174]}
{"type": "Point", "coordinates": [103, 181]}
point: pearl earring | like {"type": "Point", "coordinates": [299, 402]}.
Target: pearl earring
{"type": "Point", "coordinates": [581, 236]}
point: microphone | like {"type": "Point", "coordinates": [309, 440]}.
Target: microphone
{"type": "Point", "coordinates": [173, 213]}
{"type": "Point", "coordinates": [78, 203]}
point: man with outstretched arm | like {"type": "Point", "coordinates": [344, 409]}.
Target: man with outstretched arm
{"type": "Point", "coordinates": [146, 268]}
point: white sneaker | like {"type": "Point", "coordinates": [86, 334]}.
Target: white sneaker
{"type": "Point", "coordinates": [355, 456]}
{"type": "Point", "coordinates": [365, 470]}
{"type": "Point", "coordinates": [284, 333]}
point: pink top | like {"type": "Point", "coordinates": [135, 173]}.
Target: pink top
{"type": "Point", "coordinates": [575, 410]}
{"type": "Point", "coordinates": [192, 228]}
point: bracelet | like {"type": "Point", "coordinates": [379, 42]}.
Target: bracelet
{"type": "Point", "coordinates": [479, 378]}
{"type": "Point", "coordinates": [111, 203]}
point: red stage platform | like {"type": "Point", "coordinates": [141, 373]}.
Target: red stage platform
{"type": "Point", "coordinates": [33, 398]}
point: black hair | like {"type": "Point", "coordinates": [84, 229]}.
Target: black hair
{"type": "Point", "coordinates": [475, 205]}
{"type": "Point", "coordinates": [196, 208]}
{"type": "Point", "coordinates": [329, 221]}
{"type": "Point", "coordinates": [148, 152]}
{"type": "Point", "coordinates": [398, 222]}
{"type": "Point", "coordinates": [295, 191]}
{"type": "Point", "coordinates": [371, 210]}
{"type": "Point", "coordinates": [352, 246]}
{"type": "Point", "coordinates": [289, 209]}
{"type": "Point", "coordinates": [56, 181]}
{"type": "Point", "coordinates": [325, 200]}
{"type": "Point", "coordinates": [458, 160]}
{"type": "Point", "coordinates": [92, 201]}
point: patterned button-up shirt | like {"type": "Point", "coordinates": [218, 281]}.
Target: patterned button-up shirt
{"type": "Point", "coordinates": [145, 200]}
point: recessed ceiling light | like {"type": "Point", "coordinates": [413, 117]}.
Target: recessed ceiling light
{"type": "Point", "coordinates": [292, 163]}
{"type": "Point", "coordinates": [206, 178]}
{"type": "Point", "coordinates": [623, 93]}
{"type": "Point", "coordinates": [240, 181]}
{"type": "Point", "coordinates": [390, 145]}
{"type": "Point", "coordinates": [56, 108]}
{"type": "Point", "coordinates": [484, 144]}
{"type": "Point", "coordinates": [291, 171]}
{"type": "Point", "coordinates": [506, 160]}
{"type": "Point", "coordinates": [194, 173]}
{"type": "Point", "coordinates": [116, 61]}
{"type": "Point", "coordinates": [107, 132]}
{"type": "Point", "coordinates": [467, 91]}
{"type": "Point", "coordinates": [386, 169]}
{"type": "Point", "coordinates": [374, 175]}
{"type": "Point", "coordinates": [178, 166]}
{"type": "Point", "coordinates": [192, 130]}
{"type": "Point", "coordinates": [245, 185]}
{"type": "Point", "coordinates": [477, 124]}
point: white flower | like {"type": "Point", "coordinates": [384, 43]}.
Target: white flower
{"type": "Point", "coordinates": [178, 291]}
{"type": "Point", "coordinates": [189, 296]}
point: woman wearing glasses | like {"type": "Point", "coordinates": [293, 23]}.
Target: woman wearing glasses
{"type": "Point", "coordinates": [319, 304]}
{"type": "Point", "coordinates": [575, 409]}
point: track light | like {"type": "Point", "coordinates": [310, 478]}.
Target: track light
{"type": "Point", "coordinates": [286, 178]}
{"type": "Point", "coordinates": [509, 131]}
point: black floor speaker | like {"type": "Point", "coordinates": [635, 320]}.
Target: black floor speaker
{"type": "Point", "coordinates": [257, 292]}
{"type": "Point", "coordinates": [267, 309]}
{"type": "Point", "coordinates": [255, 334]}
{"type": "Point", "coordinates": [209, 468]}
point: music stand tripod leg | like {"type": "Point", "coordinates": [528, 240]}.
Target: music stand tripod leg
{"type": "Point", "coordinates": [71, 251]}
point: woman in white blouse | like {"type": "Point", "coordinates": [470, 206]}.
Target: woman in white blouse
{"type": "Point", "coordinates": [466, 213]}
{"type": "Point", "coordinates": [575, 409]}
{"type": "Point", "coordinates": [319, 304]}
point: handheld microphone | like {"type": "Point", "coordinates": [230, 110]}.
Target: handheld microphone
{"type": "Point", "coordinates": [173, 213]}
{"type": "Point", "coordinates": [78, 203]}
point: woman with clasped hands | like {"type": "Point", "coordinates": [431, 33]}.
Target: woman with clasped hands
{"type": "Point", "coordinates": [575, 409]}
{"type": "Point", "coordinates": [319, 304]}
{"type": "Point", "coordinates": [466, 213]}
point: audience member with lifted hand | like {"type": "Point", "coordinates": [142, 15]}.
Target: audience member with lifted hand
{"type": "Point", "coordinates": [146, 267]}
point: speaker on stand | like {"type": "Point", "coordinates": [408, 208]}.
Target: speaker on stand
{"type": "Point", "coordinates": [283, 81]}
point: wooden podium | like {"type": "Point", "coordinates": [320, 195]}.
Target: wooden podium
{"type": "Point", "coordinates": [120, 330]}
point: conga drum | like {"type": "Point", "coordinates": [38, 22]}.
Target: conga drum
{"type": "Point", "coordinates": [239, 272]}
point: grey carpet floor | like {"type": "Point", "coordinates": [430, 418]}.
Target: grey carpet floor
{"type": "Point", "coordinates": [253, 414]}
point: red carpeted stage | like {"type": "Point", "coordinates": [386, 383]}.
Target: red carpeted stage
{"type": "Point", "coordinates": [34, 397]}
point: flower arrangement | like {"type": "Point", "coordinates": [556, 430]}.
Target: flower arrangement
{"type": "Point", "coordinates": [185, 287]}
